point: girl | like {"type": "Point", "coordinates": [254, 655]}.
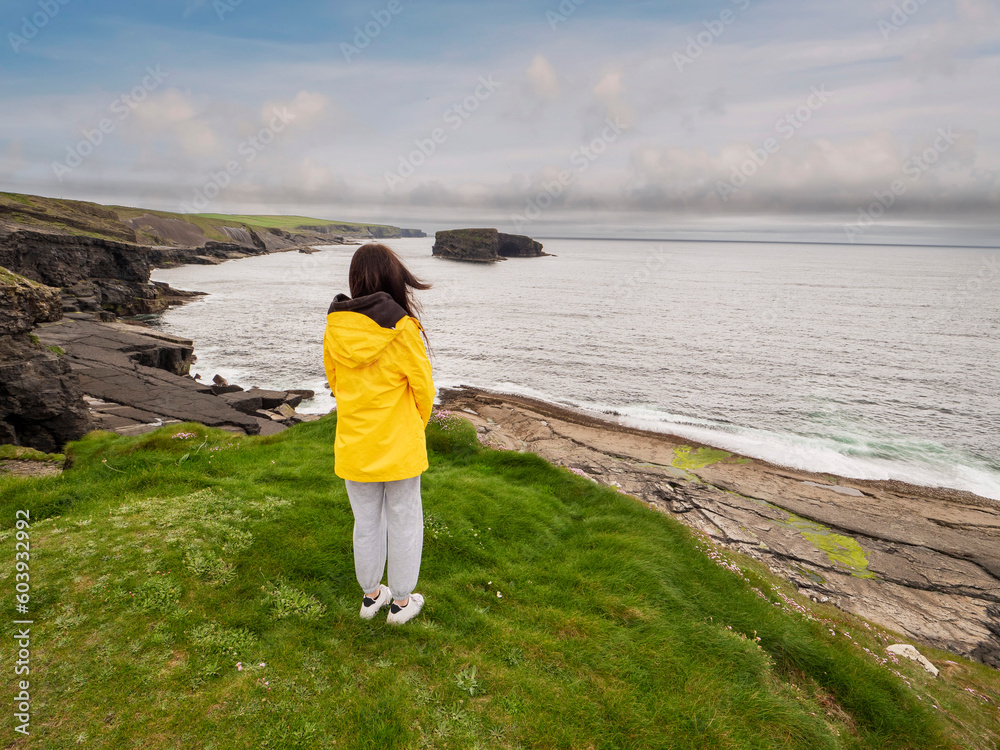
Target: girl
{"type": "Point", "coordinates": [380, 375]}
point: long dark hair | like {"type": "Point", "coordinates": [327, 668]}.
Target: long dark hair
{"type": "Point", "coordinates": [376, 268]}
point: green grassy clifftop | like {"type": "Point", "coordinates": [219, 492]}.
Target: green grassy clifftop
{"type": "Point", "coordinates": [165, 228]}
{"type": "Point", "coordinates": [195, 589]}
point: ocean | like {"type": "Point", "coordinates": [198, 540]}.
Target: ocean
{"type": "Point", "coordinates": [874, 362]}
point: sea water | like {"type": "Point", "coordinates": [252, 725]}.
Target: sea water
{"type": "Point", "coordinates": [876, 362]}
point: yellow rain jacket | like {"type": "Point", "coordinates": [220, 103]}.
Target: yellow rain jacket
{"type": "Point", "coordinates": [379, 373]}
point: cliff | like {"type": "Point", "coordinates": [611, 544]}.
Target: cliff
{"type": "Point", "coordinates": [484, 245]}
{"type": "Point", "coordinates": [101, 256]}
{"type": "Point", "coordinates": [41, 404]}
{"type": "Point", "coordinates": [100, 276]}
{"type": "Point", "coordinates": [153, 228]}
{"type": "Point", "coordinates": [518, 246]}
{"type": "Point", "coordinates": [73, 267]}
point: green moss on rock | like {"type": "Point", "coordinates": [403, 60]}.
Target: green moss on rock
{"type": "Point", "coordinates": [685, 457]}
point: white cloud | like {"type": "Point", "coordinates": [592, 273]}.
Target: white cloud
{"type": "Point", "coordinates": [175, 114]}
{"type": "Point", "coordinates": [542, 78]}
{"type": "Point", "coordinates": [307, 108]}
{"type": "Point", "coordinates": [817, 173]}
{"type": "Point", "coordinates": [12, 159]}
{"type": "Point", "coordinates": [610, 91]}
{"type": "Point", "coordinates": [976, 11]}
{"type": "Point", "coordinates": [687, 128]}
{"type": "Point", "coordinates": [309, 177]}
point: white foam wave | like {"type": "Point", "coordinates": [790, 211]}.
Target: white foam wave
{"type": "Point", "coordinates": [929, 468]}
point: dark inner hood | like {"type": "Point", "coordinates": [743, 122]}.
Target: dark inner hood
{"type": "Point", "coordinates": [380, 307]}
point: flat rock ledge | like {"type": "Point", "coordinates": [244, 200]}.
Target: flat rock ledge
{"type": "Point", "coordinates": [922, 561]}
{"type": "Point", "coordinates": [135, 380]}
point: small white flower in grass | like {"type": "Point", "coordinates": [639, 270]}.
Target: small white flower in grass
{"type": "Point", "coordinates": [263, 664]}
{"type": "Point", "coordinates": [499, 595]}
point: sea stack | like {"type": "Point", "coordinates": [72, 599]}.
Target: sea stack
{"type": "Point", "coordinates": [484, 245]}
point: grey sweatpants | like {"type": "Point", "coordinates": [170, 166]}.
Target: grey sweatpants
{"type": "Point", "coordinates": [388, 517]}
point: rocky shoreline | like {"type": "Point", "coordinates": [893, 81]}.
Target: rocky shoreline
{"type": "Point", "coordinates": [134, 380]}
{"type": "Point", "coordinates": [68, 364]}
{"type": "Point", "coordinates": [921, 561]}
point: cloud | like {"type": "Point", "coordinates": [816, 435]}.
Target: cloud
{"type": "Point", "coordinates": [687, 129]}
{"type": "Point", "coordinates": [309, 177]}
{"type": "Point", "coordinates": [976, 11]}
{"type": "Point", "coordinates": [12, 160]}
{"type": "Point", "coordinates": [610, 91]}
{"type": "Point", "coordinates": [542, 78]}
{"type": "Point", "coordinates": [307, 108]}
{"type": "Point", "coordinates": [807, 174]}
{"type": "Point", "coordinates": [174, 115]}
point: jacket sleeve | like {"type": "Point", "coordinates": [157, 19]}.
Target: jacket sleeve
{"type": "Point", "coordinates": [417, 368]}
{"type": "Point", "coordinates": [328, 364]}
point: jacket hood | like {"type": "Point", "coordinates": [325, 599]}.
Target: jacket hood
{"type": "Point", "coordinates": [359, 329]}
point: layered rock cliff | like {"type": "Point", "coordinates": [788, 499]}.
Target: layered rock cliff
{"type": "Point", "coordinates": [95, 274]}
{"type": "Point", "coordinates": [484, 245]}
{"type": "Point", "coordinates": [41, 403]}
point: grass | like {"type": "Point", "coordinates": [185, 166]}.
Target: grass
{"type": "Point", "coordinates": [87, 219]}
{"type": "Point", "coordinates": [198, 591]}
{"type": "Point", "coordinates": [291, 223]}
{"type": "Point", "coordinates": [9, 278]}
{"type": "Point", "coordinates": [22, 453]}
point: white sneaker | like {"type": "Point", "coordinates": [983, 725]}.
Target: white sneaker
{"type": "Point", "coordinates": [370, 606]}
{"type": "Point", "coordinates": [398, 615]}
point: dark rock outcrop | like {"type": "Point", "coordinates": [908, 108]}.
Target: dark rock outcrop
{"type": "Point", "coordinates": [211, 253]}
{"type": "Point", "coordinates": [484, 245]}
{"type": "Point", "coordinates": [478, 245]}
{"type": "Point", "coordinates": [359, 231]}
{"type": "Point", "coordinates": [518, 246]}
{"type": "Point", "coordinates": [24, 303]}
{"type": "Point", "coordinates": [41, 404]}
{"type": "Point", "coordinates": [62, 260]}
{"type": "Point", "coordinates": [136, 379]}
{"type": "Point", "coordinates": [105, 275]}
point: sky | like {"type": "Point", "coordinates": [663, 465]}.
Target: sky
{"type": "Point", "coordinates": [571, 116]}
